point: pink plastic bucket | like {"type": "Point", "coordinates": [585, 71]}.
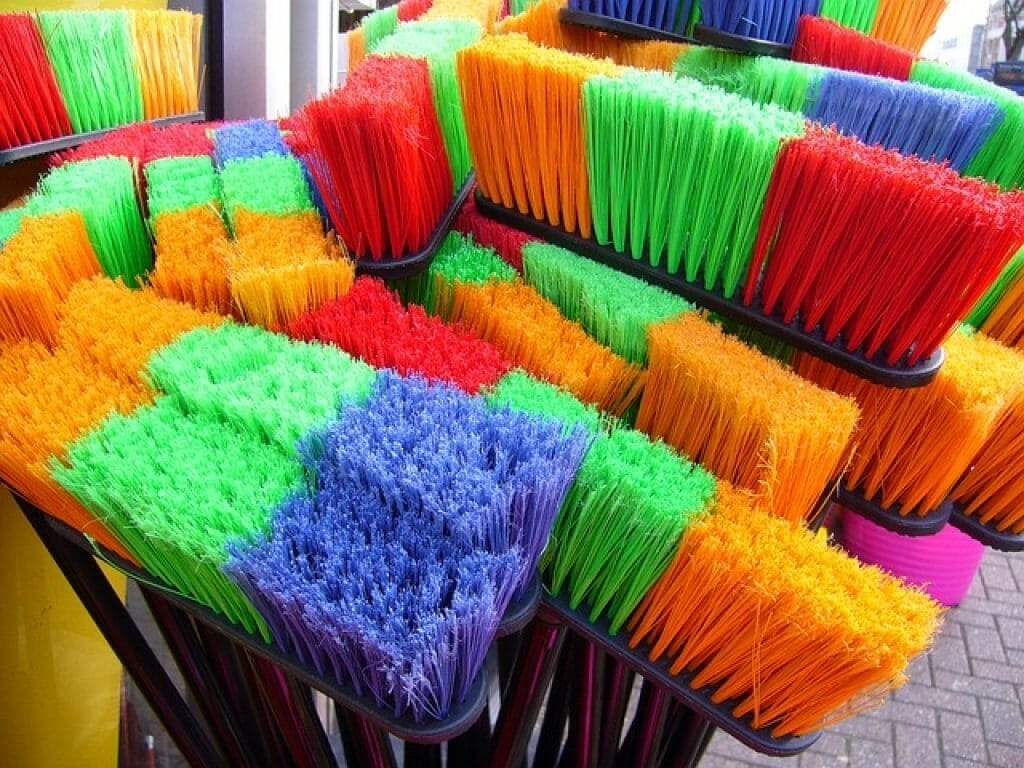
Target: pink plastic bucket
{"type": "Point", "coordinates": [943, 564]}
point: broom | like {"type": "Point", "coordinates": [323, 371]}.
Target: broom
{"type": "Point", "coordinates": [841, 46]}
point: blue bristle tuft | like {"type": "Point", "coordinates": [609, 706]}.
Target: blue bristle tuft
{"type": "Point", "coordinates": [933, 124]}
{"type": "Point", "coordinates": [428, 516]}
{"type": "Point", "coordinates": [252, 138]}
{"type": "Point", "coordinates": [667, 15]}
{"type": "Point", "coordinates": [773, 20]}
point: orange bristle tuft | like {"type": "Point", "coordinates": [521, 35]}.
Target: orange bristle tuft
{"type": "Point", "coordinates": [1006, 321]}
{"type": "Point", "coordinates": [913, 444]}
{"type": "Point", "coordinates": [283, 266]}
{"type": "Point", "coordinates": [540, 23]}
{"type": "Point", "coordinates": [992, 488]}
{"type": "Point", "coordinates": [503, 79]}
{"type": "Point", "coordinates": [33, 380]}
{"type": "Point", "coordinates": [908, 25]}
{"type": "Point", "coordinates": [744, 416]}
{"type": "Point", "coordinates": [38, 266]}
{"type": "Point", "coordinates": [532, 333]}
{"type": "Point", "coordinates": [192, 253]}
{"type": "Point", "coordinates": [822, 41]}
{"type": "Point", "coordinates": [791, 632]}
{"type": "Point", "coordinates": [119, 328]}
{"type": "Point", "coordinates": [167, 46]}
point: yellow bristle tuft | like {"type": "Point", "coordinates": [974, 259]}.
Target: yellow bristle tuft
{"type": "Point", "coordinates": [540, 23]}
{"type": "Point", "coordinates": [502, 78]}
{"type": "Point", "coordinates": [771, 617]}
{"type": "Point", "coordinates": [531, 331]}
{"type": "Point", "coordinates": [192, 252]}
{"type": "Point", "coordinates": [283, 266]}
{"type": "Point", "coordinates": [744, 416]}
{"type": "Point", "coordinates": [38, 266]}
{"type": "Point", "coordinates": [167, 45]}
{"type": "Point", "coordinates": [483, 11]}
{"type": "Point", "coordinates": [913, 444]}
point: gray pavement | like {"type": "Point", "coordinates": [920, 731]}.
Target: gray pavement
{"type": "Point", "coordinates": [962, 707]}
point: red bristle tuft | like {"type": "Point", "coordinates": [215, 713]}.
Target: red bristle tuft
{"type": "Point", "coordinates": [888, 252]}
{"type": "Point", "coordinates": [370, 323]}
{"type": "Point", "coordinates": [377, 156]}
{"type": "Point", "coordinates": [822, 41]}
{"type": "Point", "coordinates": [145, 143]}
{"type": "Point", "coordinates": [410, 10]}
{"type": "Point", "coordinates": [32, 106]}
{"type": "Point", "coordinates": [508, 242]}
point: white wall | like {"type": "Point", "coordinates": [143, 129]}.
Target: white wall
{"type": "Point", "coordinates": [257, 58]}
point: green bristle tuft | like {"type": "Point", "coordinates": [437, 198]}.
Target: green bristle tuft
{"type": "Point", "coordinates": [379, 25]}
{"type": "Point", "coordinates": [260, 382]}
{"type": "Point", "coordinates": [718, 154]}
{"type": "Point", "coordinates": [10, 221]}
{"type": "Point", "coordinates": [769, 345]}
{"type": "Point", "coordinates": [104, 191]}
{"type": "Point", "coordinates": [93, 57]}
{"type": "Point", "coordinates": [791, 85]}
{"type": "Point", "coordinates": [621, 524]}
{"type": "Point", "coordinates": [614, 308]}
{"type": "Point", "coordinates": [856, 14]}
{"type": "Point", "coordinates": [177, 489]}
{"type": "Point", "coordinates": [520, 391]}
{"type": "Point", "coordinates": [1011, 274]}
{"type": "Point", "coordinates": [457, 260]}
{"type": "Point", "coordinates": [178, 183]}
{"type": "Point", "coordinates": [1001, 158]}
{"type": "Point", "coordinates": [522, 6]}
{"type": "Point", "coordinates": [437, 42]}
{"type": "Point", "coordinates": [271, 184]}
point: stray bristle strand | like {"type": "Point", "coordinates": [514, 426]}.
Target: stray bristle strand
{"type": "Point", "coordinates": [93, 58]}
{"type": "Point", "coordinates": [38, 267]}
{"type": "Point", "coordinates": [913, 444]}
{"type": "Point", "coordinates": [992, 488]}
{"type": "Point", "coordinates": [692, 206]}
{"type": "Point", "coordinates": [260, 382]}
{"type": "Point", "coordinates": [615, 309]}
{"type": "Point", "coordinates": [824, 42]}
{"type": "Point", "coordinates": [857, 15]}
{"type": "Point", "coordinates": [504, 79]}
{"type": "Point", "coordinates": [34, 109]}
{"type": "Point", "coordinates": [773, 20]}
{"type": "Point", "coordinates": [177, 487]}
{"type": "Point", "coordinates": [104, 191]}
{"type": "Point", "coordinates": [437, 42]}
{"type": "Point", "coordinates": [370, 323]}
{"type": "Point", "coordinates": [792, 633]}
{"type": "Point", "coordinates": [282, 266]}
{"type": "Point", "coordinates": [376, 152]}
{"type": "Point", "coordinates": [839, 220]}
{"type": "Point", "coordinates": [532, 333]}
{"type": "Point", "coordinates": [744, 416]}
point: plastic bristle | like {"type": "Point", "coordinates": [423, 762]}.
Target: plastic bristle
{"type": "Point", "coordinates": [177, 183]}
{"type": "Point", "coordinates": [411, 10]}
{"type": "Point", "coordinates": [839, 222]}
{"type": "Point", "coordinates": [858, 15]}
{"type": "Point", "coordinates": [506, 241]}
{"type": "Point", "coordinates": [39, 265]}
{"type": "Point", "coordinates": [247, 140]}
{"type": "Point", "coordinates": [376, 151]}
{"type": "Point", "coordinates": [824, 42]}
{"type": "Point", "coordinates": [744, 416]}
{"type": "Point", "coordinates": [667, 15]}
{"type": "Point", "coordinates": [520, 391]}
{"type": "Point", "coordinates": [483, 12]}
{"type": "Point", "coordinates": [614, 309]}
{"type": "Point", "coordinates": [192, 254]}
{"type": "Point", "coordinates": [34, 108]}
{"type": "Point", "coordinates": [272, 184]}
{"type": "Point", "coordinates": [144, 143]}
{"type": "Point", "coordinates": [166, 46]}
{"type": "Point", "coordinates": [908, 25]}
{"type": "Point", "coordinates": [371, 324]}
{"type": "Point", "coordinates": [532, 333]}
{"type": "Point", "coordinates": [693, 210]}
{"type": "Point", "coordinates": [773, 20]}
{"type": "Point", "coordinates": [503, 79]}
{"type": "Point", "coordinates": [913, 444]}
{"type": "Point", "coordinates": [104, 191]}
{"type": "Point", "coordinates": [1002, 289]}
{"type": "Point", "coordinates": [791, 632]}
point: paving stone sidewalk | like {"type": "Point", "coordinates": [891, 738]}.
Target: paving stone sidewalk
{"type": "Point", "coordinates": [962, 707]}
